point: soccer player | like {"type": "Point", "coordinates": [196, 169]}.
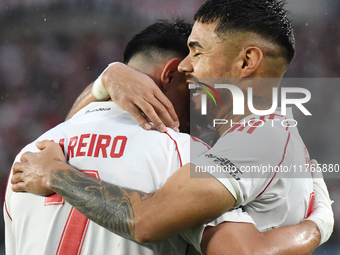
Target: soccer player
{"type": "Point", "coordinates": [204, 199]}
{"type": "Point", "coordinates": [45, 225]}
{"type": "Point", "coordinates": [99, 136]}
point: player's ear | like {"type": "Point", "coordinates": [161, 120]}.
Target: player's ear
{"type": "Point", "coordinates": [169, 71]}
{"type": "Point", "coordinates": [252, 58]}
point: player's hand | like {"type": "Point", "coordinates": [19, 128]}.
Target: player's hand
{"type": "Point", "coordinates": [33, 173]}
{"type": "Point", "coordinates": [322, 214]}
{"type": "Point", "coordinates": [136, 92]}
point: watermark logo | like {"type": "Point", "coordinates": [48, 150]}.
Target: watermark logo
{"type": "Point", "coordinates": [199, 85]}
{"type": "Point", "coordinates": [239, 101]}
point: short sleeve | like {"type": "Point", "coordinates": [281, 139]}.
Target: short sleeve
{"type": "Point", "coordinates": [238, 158]}
{"type": "Point", "coordinates": [186, 148]}
{"type": "Point", "coordinates": [194, 235]}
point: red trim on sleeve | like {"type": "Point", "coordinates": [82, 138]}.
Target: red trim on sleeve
{"type": "Point", "coordinates": [253, 127]}
{"type": "Point", "coordinates": [250, 130]}
{"type": "Point", "coordinates": [310, 206]}
{"type": "Point", "coordinates": [283, 157]}
{"type": "Point", "coordinates": [7, 212]}
{"type": "Point", "coordinates": [5, 195]}
{"type": "Point", "coordinates": [7, 185]}
{"type": "Point", "coordinates": [179, 154]}
{"type": "Point", "coordinates": [197, 140]}
{"type": "Point", "coordinates": [237, 125]}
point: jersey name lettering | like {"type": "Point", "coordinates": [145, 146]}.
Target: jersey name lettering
{"type": "Point", "coordinates": [95, 145]}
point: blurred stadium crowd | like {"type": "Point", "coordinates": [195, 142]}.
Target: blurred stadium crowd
{"type": "Point", "coordinates": [50, 50]}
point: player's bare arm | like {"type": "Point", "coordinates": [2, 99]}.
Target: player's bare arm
{"type": "Point", "coordinates": [133, 214]}
{"type": "Point", "coordinates": [243, 238]}
{"type": "Point", "coordinates": [150, 217]}
{"type": "Point", "coordinates": [136, 93]}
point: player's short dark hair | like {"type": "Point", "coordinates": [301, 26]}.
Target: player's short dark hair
{"type": "Point", "coordinates": [169, 35]}
{"type": "Point", "coordinates": [267, 18]}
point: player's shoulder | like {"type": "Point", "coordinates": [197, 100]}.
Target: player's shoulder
{"type": "Point", "coordinates": [194, 141]}
{"type": "Point", "coordinates": [175, 136]}
{"type": "Point", "coordinates": [99, 111]}
{"type": "Point", "coordinates": [256, 135]}
{"type": "Point", "coordinates": [255, 128]}
{"type": "Point", "coordinates": [194, 145]}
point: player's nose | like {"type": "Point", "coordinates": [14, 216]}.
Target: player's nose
{"type": "Point", "coordinates": [185, 66]}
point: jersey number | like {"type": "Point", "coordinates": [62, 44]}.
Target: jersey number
{"type": "Point", "coordinates": [72, 238]}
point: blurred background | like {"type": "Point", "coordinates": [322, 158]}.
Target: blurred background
{"type": "Point", "coordinates": [51, 50]}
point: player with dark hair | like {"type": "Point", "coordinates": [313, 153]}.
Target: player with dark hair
{"type": "Point", "coordinates": [158, 39]}
{"type": "Point", "coordinates": [265, 18]}
{"type": "Point", "coordinates": [48, 225]}
{"type": "Point", "coordinates": [240, 53]}
{"type": "Point", "coordinates": [70, 232]}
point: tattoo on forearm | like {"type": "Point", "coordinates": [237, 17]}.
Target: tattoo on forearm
{"type": "Point", "coordinates": [145, 196]}
{"type": "Point", "coordinates": [106, 204]}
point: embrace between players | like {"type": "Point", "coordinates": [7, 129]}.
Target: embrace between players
{"type": "Point", "coordinates": [137, 184]}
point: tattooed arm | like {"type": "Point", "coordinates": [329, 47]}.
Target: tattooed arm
{"type": "Point", "coordinates": [133, 214]}
{"type": "Point", "coordinates": [108, 205]}
{"type": "Point", "coordinates": [153, 217]}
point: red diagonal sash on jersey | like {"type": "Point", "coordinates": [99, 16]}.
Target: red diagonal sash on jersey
{"type": "Point", "coordinates": [74, 232]}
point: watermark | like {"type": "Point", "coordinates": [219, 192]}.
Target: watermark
{"type": "Point", "coordinates": [257, 131]}
{"type": "Point", "coordinates": [200, 86]}
{"type": "Point", "coordinates": [239, 101]}
{"type": "Point", "coordinates": [263, 169]}
{"type": "Point", "coordinates": [262, 100]}
{"type": "Point", "coordinates": [256, 122]}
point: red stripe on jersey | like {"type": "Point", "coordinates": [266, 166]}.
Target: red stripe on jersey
{"type": "Point", "coordinates": [5, 195]}
{"type": "Point", "coordinates": [54, 199]}
{"type": "Point", "coordinates": [310, 206]}
{"type": "Point", "coordinates": [75, 229]}
{"type": "Point", "coordinates": [262, 119]}
{"type": "Point", "coordinates": [83, 237]}
{"type": "Point", "coordinates": [7, 212]}
{"type": "Point", "coordinates": [197, 140]}
{"type": "Point", "coordinates": [237, 125]}
{"type": "Point", "coordinates": [245, 125]}
{"type": "Point", "coordinates": [62, 144]}
{"type": "Point", "coordinates": [271, 116]}
{"type": "Point", "coordinates": [179, 155]}
{"type": "Point", "coordinates": [253, 127]}
{"type": "Point", "coordinates": [9, 175]}
{"type": "Point", "coordinates": [71, 241]}
{"type": "Point", "coordinates": [283, 157]}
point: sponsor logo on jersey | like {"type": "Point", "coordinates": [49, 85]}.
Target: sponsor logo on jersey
{"type": "Point", "coordinates": [225, 164]}
{"type": "Point", "coordinates": [101, 109]}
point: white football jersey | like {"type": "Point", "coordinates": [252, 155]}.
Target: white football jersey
{"type": "Point", "coordinates": [102, 135]}
{"type": "Point", "coordinates": [105, 142]}
{"type": "Point", "coordinates": [264, 163]}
